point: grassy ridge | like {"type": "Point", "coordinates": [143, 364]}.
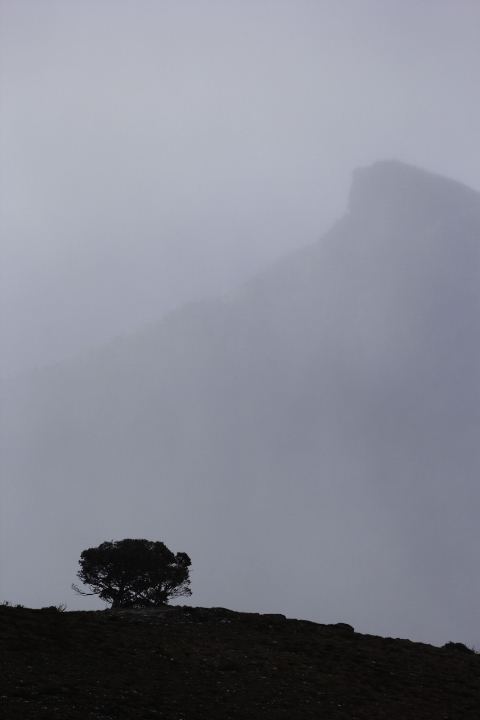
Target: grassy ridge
{"type": "Point", "coordinates": [201, 664]}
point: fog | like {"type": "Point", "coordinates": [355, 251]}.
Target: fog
{"type": "Point", "coordinates": [157, 152]}
{"type": "Point", "coordinates": [211, 338]}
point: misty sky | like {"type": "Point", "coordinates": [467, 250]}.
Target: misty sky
{"type": "Point", "coordinates": [157, 151]}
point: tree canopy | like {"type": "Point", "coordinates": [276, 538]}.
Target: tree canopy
{"type": "Point", "coordinates": [134, 573]}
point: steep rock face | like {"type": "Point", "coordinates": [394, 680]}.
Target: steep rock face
{"type": "Point", "coordinates": [395, 191]}
{"type": "Point", "coordinates": [311, 439]}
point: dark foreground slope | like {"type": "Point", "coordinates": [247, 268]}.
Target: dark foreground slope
{"type": "Point", "coordinates": [197, 663]}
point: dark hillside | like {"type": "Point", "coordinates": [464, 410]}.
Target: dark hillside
{"type": "Point", "coordinates": [201, 664]}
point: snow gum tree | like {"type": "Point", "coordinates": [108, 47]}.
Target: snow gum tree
{"type": "Point", "coordinates": [134, 573]}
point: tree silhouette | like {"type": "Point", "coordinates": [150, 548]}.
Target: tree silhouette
{"type": "Point", "coordinates": [134, 573]}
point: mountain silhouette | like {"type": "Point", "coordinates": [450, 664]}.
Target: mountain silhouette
{"type": "Point", "coordinates": [311, 439]}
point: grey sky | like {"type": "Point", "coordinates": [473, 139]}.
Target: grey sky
{"type": "Point", "coordinates": [154, 152]}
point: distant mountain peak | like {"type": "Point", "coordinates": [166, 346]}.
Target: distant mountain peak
{"type": "Point", "coordinates": [312, 437]}
{"type": "Point", "coordinates": [391, 186]}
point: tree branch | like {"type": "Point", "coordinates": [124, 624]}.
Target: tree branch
{"type": "Point", "coordinates": [81, 592]}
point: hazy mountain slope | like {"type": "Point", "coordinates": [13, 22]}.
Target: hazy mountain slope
{"type": "Point", "coordinates": [312, 440]}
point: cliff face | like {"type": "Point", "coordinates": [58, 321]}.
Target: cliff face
{"type": "Point", "coordinates": [393, 190]}
{"type": "Point", "coordinates": [311, 440]}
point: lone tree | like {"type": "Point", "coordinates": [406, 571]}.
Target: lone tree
{"type": "Point", "coordinates": [134, 573]}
